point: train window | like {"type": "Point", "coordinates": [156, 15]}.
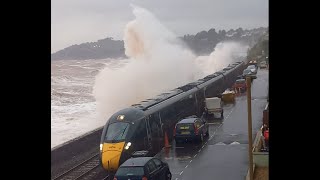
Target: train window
{"type": "Point", "coordinates": [117, 131]}
{"type": "Point", "coordinates": [142, 131]}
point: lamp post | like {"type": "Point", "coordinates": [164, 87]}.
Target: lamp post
{"type": "Point", "coordinates": [248, 81]}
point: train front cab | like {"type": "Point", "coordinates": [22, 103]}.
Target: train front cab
{"type": "Point", "coordinates": [116, 143]}
{"type": "Point", "coordinates": [113, 144]}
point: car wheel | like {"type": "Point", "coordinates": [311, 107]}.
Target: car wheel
{"type": "Point", "coordinates": [177, 141]}
{"type": "Point", "coordinates": [201, 138]}
{"type": "Point", "coordinates": [168, 176]}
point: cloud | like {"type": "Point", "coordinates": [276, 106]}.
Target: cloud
{"type": "Point", "coordinates": [78, 21]}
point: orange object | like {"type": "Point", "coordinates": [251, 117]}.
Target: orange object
{"type": "Point", "coordinates": [166, 141]}
{"type": "Point", "coordinates": [266, 134]}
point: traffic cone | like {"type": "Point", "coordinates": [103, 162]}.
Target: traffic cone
{"type": "Point", "coordinates": [166, 141]}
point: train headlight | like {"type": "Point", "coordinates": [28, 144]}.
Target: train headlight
{"type": "Point", "coordinates": [101, 145]}
{"type": "Point", "coordinates": [128, 145]}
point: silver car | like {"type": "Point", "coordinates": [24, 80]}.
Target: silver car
{"type": "Point", "coordinates": [253, 69]}
{"type": "Point", "coordinates": [248, 72]}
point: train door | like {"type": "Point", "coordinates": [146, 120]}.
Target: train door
{"type": "Point", "coordinates": [140, 139]}
{"type": "Point", "coordinates": [155, 132]}
{"type": "Point", "coordinates": [199, 100]}
{"type": "Point", "coordinates": [148, 139]}
{"type": "Point", "coordinates": [161, 125]}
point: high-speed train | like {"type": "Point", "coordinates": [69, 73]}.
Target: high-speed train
{"type": "Point", "coordinates": [143, 126]}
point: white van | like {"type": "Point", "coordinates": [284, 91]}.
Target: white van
{"type": "Point", "coordinates": [214, 105]}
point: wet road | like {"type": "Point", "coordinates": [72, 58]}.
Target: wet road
{"type": "Point", "coordinates": [224, 154]}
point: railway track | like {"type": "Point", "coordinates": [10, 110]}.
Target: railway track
{"type": "Point", "coordinates": [81, 170]}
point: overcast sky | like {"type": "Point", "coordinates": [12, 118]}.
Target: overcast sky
{"type": "Point", "coordinates": [79, 21]}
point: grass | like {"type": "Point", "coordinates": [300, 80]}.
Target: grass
{"type": "Point", "coordinates": [261, 173]}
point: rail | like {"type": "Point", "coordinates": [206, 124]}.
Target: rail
{"type": "Point", "coordinates": [80, 170]}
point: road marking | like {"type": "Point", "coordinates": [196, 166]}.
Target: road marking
{"type": "Point", "coordinates": [202, 147]}
{"type": "Point", "coordinates": [190, 161]}
{"type": "Point", "coordinates": [229, 114]}
{"type": "Point", "coordinates": [220, 143]}
{"type": "Point", "coordinates": [199, 150]}
{"type": "Point", "coordinates": [213, 123]}
{"type": "Point", "coordinates": [184, 157]}
{"type": "Point", "coordinates": [187, 166]}
{"type": "Point", "coordinates": [177, 147]}
{"type": "Point", "coordinates": [181, 173]}
{"type": "Point", "coordinates": [235, 142]}
{"type": "Point", "coordinates": [176, 178]}
{"type": "Point", "coordinates": [194, 156]}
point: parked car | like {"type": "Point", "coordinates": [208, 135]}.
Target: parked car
{"type": "Point", "coordinates": [143, 168]}
{"type": "Point", "coordinates": [191, 129]}
{"type": "Point", "coordinates": [240, 85]}
{"type": "Point", "coordinates": [263, 64]}
{"type": "Point", "coordinates": [253, 69]}
{"type": "Point", "coordinates": [240, 77]}
{"type": "Point", "coordinates": [248, 72]}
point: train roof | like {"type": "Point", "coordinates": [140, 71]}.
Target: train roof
{"type": "Point", "coordinates": [127, 115]}
{"type": "Point", "coordinates": [148, 103]}
{"type": "Point", "coordinates": [145, 104]}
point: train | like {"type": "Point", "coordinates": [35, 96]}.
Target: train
{"type": "Point", "coordinates": [143, 126]}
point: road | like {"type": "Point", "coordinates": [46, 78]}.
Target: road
{"type": "Point", "coordinates": [224, 154]}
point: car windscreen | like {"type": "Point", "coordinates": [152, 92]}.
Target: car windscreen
{"type": "Point", "coordinates": [117, 131]}
{"type": "Point", "coordinates": [130, 171]}
{"type": "Point", "coordinates": [247, 71]}
{"type": "Point", "coordinates": [240, 81]}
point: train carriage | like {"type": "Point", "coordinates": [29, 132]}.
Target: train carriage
{"type": "Point", "coordinates": [143, 126]}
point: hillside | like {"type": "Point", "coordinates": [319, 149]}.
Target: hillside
{"type": "Point", "coordinates": [201, 43]}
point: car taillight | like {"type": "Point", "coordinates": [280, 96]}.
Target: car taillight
{"type": "Point", "coordinates": [195, 128]}
{"type": "Point", "coordinates": [114, 178]}
{"type": "Point", "coordinates": [144, 178]}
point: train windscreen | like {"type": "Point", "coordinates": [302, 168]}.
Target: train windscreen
{"type": "Point", "coordinates": [117, 131]}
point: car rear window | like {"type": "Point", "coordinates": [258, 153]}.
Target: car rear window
{"type": "Point", "coordinates": [240, 81]}
{"type": "Point", "coordinates": [130, 171]}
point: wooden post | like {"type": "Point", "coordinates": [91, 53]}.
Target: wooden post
{"type": "Point", "coordinates": [248, 81]}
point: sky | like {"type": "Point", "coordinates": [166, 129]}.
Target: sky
{"type": "Point", "coordinates": [79, 21]}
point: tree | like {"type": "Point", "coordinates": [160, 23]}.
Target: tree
{"type": "Point", "coordinates": [212, 35]}
{"type": "Point", "coordinates": [202, 35]}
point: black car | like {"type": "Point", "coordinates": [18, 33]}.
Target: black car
{"type": "Point", "coordinates": [143, 168]}
{"type": "Point", "coordinates": [240, 77]}
{"type": "Point", "coordinates": [191, 129]}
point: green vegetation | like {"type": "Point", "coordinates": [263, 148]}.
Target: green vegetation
{"type": "Point", "coordinates": [202, 43]}
{"type": "Point", "coordinates": [260, 51]}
